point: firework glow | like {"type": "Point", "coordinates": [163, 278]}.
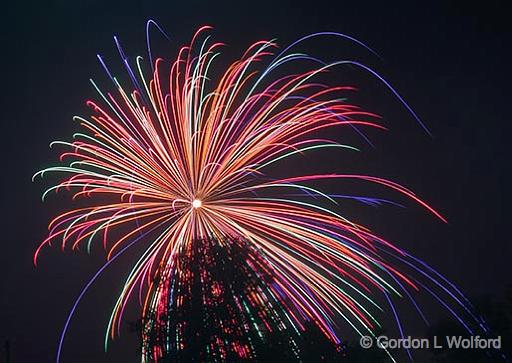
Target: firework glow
{"type": "Point", "coordinates": [180, 153]}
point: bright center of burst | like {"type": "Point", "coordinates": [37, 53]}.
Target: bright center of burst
{"type": "Point", "coordinates": [196, 203]}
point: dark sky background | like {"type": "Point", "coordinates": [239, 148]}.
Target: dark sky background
{"type": "Point", "coordinates": [449, 60]}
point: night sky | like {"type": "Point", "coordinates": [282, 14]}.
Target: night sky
{"type": "Point", "coordinates": [449, 61]}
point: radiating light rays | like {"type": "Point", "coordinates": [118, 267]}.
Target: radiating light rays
{"type": "Point", "coordinates": [185, 152]}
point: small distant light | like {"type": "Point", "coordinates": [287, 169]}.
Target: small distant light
{"type": "Point", "coordinates": [196, 203]}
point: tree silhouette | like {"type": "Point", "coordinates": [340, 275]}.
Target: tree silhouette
{"type": "Point", "coordinates": [7, 351]}
{"type": "Point", "coordinates": [497, 314]}
{"type": "Point", "coordinates": [222, 309]}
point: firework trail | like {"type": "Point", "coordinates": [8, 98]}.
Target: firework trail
{"type": "Point", "coordinates": [179, 155]}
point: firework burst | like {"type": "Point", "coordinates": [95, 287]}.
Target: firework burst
{"type": "Point", "coordinates": [183, 157]}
